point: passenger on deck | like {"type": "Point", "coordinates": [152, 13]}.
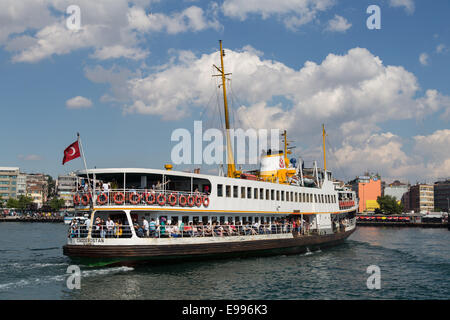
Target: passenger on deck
{"type": "Point", "coordinates": [152, 228]}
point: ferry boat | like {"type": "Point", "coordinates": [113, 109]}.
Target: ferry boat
{"type": "Point", "coordinates": [159, 215]}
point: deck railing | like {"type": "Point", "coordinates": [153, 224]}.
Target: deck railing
{"type": "Point", "coordinates": [175, 231]}
{"type": "Point", "coordinates": [142, 197]}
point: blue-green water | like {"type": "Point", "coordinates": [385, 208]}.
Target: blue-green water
{"type": "Point", "coordinates": [414, 263]}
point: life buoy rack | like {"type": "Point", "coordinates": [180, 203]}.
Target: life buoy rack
{"type": "Point", "coordinates": [182, 200]}
{"type": "Point", "coordinates": [190, 201]}
{"type": "Point", "coordinates": [105, 199]}
{"type": "Point", "coordinates": [85, 199]}
{"type": "Point", "coordinates": [76, 199]}
{"type": "Point", "coordinates": [122, 198]}
{"type": "Point", "coordinates": [135, 198]}
{"type": "Point", "coordinates": [198, 201]}
{"type": "Point", "coordinates": [153, 198]}
{"type": "Point", "coordinates": [158, 199]}
{"type": "Point", "coordinates": [205, 201]}
{"type": "Point", "coordinates": [172, 199]}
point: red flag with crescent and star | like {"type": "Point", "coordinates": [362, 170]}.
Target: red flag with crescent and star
{"type": "Point", "coordinates": [71, 152]}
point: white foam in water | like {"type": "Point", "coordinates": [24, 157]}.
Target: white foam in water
{"type": "Point", "coordinates": [58, 278]}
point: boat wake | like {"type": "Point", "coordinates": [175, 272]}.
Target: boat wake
{"type": "Point", "coordinates": [59, 278]}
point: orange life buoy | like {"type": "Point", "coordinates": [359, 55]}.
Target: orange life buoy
{"type": "Point", "coordinates": [182, 200]}
{"type": "Point", "coordinates": [135, 198]}
{"type": "Point", "coordinates": [85, 199]}
{"type": "Point", "coordinates": [190, 201]}
{"type": "Point", "coordinates": [161, 202]}
{"type": "Point", "coordinates": [153, 199]}
{"type": "Point", "coordinates": [198, 201]}
{"type": "Point", "coordinates": [172, 199]}
{"type": "Point", "coordinates": [76, 199]}
{"type": "Point", "coordinates": [122, 198]}
{"type": "Point", "coordinates": [205, 201]}
{"type": "Point", "coordinates": [105, 199]}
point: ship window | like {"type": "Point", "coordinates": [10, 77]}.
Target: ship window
{"type": "Point", "coordinates": [287, 196]}
{"type": "Point", "coordinates": [204, 220]}
{"type": "Point", "coordinates": [230, 220]}
{"type": "Point", "coordinates": [278, 195]}
{"type": "Point", "coordinates": [243, 192]}
{"type": "Point", "coordinates": [237, 220]}
{"type": "Point", "coordinates": [220, 190]}
{"type": "Point", "coordinates": [272, 194]}
{"type": "Point", "coordinates": [228, 191]}
{"type": "Point", "coordinates": [185, 219]}
{"type": "Point", "coordinates": [261, 193]}
{"type": "Point", "coordinates": [322, 198]}
{"type": "Point", "coordinates": [235, 191]}
{"type": "Point", "coordinates": [315, 198]}
{"type": "Point", "coordinates": [292, 196]}
{"type": "Point", "coordinates": [195, 219]}
{"type": "Point", "coordinates": [222, 220]}
{"type": "Point", "coordinates": [250, 219]}
{"type": "Point", "coordinates": [282, 195]}
{"type": "Point", "coordinates": [255, 193]}
{"type": "Point", "coordinates": [244, 220]}
{"type": "Point", "coordinates": [249, 192]}
{"type": "Point", "coordinates": [297, 197]}
{"type": "Point", "coordinates": [174, 220]}
{"type": "Point", "coordinates": [213, 220]}
{"type": "Point", "coordinates": [267, 194]}
{"type": "Point", "coordinates": [256, 219]}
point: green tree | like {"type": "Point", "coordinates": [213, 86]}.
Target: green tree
{"type": "Point", "coordinates": [389, 205]}
{"type": "Point", "coordinates": [51, 187]}
{"type": "Point", "coordinates": [12, 203]}
{"type": "Point", "coordinates": [1, 201]}
{"type": "Point", "coordinates": [57, 203]}
{"type": "Point", "coordinates": [24, 202]}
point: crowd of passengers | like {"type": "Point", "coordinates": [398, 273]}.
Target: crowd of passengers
{"type": "Point", "coordinates": [199, 229]}
{"type": "Point", "coordinates": [150, 229]}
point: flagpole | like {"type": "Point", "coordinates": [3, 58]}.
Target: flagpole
{"type": "Point", "coordinates": [91, 202]}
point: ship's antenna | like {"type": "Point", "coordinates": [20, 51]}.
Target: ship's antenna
{"type": "Point", "coordinates": [232, 173]}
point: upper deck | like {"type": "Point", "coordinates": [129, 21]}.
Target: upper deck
{"type": "Point", "coordinates": [175, 190]}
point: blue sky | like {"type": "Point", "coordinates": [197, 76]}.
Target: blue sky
{"type": "Point", "coordinates": [141, 69]}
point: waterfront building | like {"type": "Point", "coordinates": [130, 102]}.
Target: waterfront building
{"type": "Point", "coordinates": [419, 198]}
{"type": "Point", "coordinates": [37, 188]}
{"type": "Point", "coordinates": [396, 189]}
{"type": "Point", "coordinates": [65, 187]}
{"type": "Point", "coordinates": [442, 195]}
{"type": "Point", "coordinates": [368, 189]}
{"type": "Point", "coordinates": [21, 185]}
{"type": "Point", "coordinates": [8, 182]}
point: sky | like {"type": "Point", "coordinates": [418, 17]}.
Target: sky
{"type": "Point", "coordinates": [137, 70]}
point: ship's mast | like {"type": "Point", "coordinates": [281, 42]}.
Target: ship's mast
{"type": "Point", "coordinates": [324, 151]}
{"type": "Point", "coordinates": [232, 173]}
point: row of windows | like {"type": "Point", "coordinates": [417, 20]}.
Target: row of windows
{"type": "Point", "coordinates": [7, 177]}
{"type": "Point", "coordinates": [221, 220]}
{"type": "Point", "coordinates": [270, 194]}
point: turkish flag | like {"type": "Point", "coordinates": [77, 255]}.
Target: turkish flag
{"type": "Point", "coordinates": [71, 152]}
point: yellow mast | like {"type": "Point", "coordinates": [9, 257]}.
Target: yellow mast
{"type": "Point", "coordinates": [324, 151]}
{"type": "Point", "coordinates": [232, 173]}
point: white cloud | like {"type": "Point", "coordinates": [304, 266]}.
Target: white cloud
{"type": "Point", "coordinates": [293, 13]}
{"type": "Point", "coordinates": [441, 48]}
{"type": "Point", "coordinates": [30, 157]}
{"type": "Point", "coordinates": [78, 103]}
{"type": "Point", "coordinates": [338, 24]}
{"type": "Point", "coordinates": [407, 4]}
{"type": "Point", "coordinates": [190, 19]}
{"type": "Point", "coordinates": [424, 59]}
{"type": "Point", "coordinates": [34, 30]}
